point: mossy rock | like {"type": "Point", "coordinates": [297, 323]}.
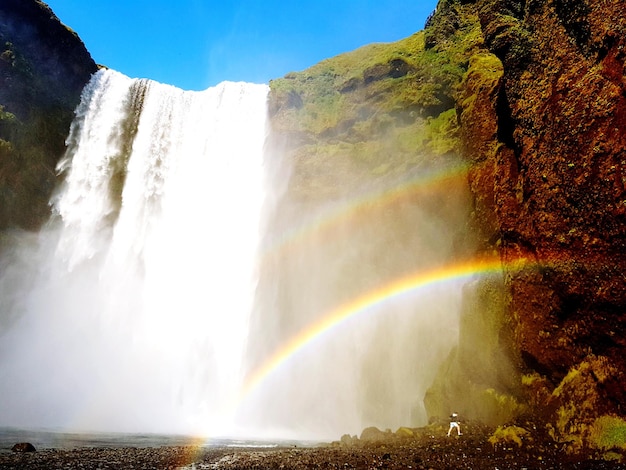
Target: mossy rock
{"type": "Point", "coordinates": [608, 433]}
{"type": "Point", "coordinates": [405, 432]}
{"type": "Point", "coordinates": [581, 418]}
{"type": "Point", "coordinates": [505, 435]}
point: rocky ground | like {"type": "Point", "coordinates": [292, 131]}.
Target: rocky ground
{"type": "Point", "coordinates": [422, 450]}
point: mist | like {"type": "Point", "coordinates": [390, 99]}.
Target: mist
{"type": "Point", "coordinates": [181, 256]}
{"type": "Point", "coordinates": [322, 252]}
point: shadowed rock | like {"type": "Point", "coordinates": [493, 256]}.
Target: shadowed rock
{"type": "Point", "coordinates": [23, 447]}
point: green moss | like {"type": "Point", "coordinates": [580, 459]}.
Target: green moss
{"type": "Point", "coordinates": [6, 117]}
{"type": "Point", "coordinates": [405, 432]}
{"type": "Point", "coordinates": [577, 400]}
{"type": "Point", "coordinates": [509, 435]}
{"type": "Point", "coordinates": [443, 133]}
{"type": "Point", "coordinates": [318, 97]}
{"type": "Point", "coordinates": [529, 379]}
{"type": "Point", "coordinates": [501, 407]}
{"type": "Point", "coordinates": [576, 380]}
{"type": "Point", "coordinates": [608, 433]}
{"type": "Point", "coordinates": [487, 66]}
{"type": "Point", "coordinates": [612, 457]}
{"type": "Point", "coordinates": [384, 107]}
{"type": "Point", "coordinates": [394, 82]}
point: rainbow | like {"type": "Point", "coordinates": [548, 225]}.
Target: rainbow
{"type": "Point", "coordinates": [440, 180]}
{"type": "Point", "coordinates": [411, 283]}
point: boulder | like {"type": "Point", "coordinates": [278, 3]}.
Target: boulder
{"type": "Point", "coordinates": [23, 447]}
{"type": "Point", "coordinates": [373, 434]}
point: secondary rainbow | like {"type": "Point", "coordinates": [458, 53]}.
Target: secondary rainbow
{"type": "Point", "coordinates": [440, 180]}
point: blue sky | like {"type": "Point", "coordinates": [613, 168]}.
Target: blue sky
{"type": "Point", "coordinates": [194, 44]}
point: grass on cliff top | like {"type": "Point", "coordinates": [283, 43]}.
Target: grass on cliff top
{"type": "Point", "coordinates": [361, 84]}
{"type": "Point", "coordinates": [331, 74]}
{"type": "Point", "coordinates": [385, 107]}
{"type": "Point", "coordinates": [378, 86]}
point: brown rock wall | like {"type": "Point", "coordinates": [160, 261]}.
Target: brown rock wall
{"type": "Point", "coordinates": [552, 183]}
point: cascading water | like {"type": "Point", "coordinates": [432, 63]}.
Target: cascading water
{"type": "Point", "coordinates": [151, 302]}
{"type": "Point", "coordinates": [135, 313]}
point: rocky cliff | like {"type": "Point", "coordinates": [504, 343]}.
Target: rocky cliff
{"type": "Point", "coordinates": [532, 95]}
{"type": "Point", "coordinates": [43, 68]}
{"type": "Point", "coordinates": [542, 111]}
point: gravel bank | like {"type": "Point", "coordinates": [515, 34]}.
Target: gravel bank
{"type": "Point", "coordinates": [422, 451]}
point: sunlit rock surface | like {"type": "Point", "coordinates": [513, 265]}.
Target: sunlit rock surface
{"type": "Point", "coordinates": [543, 108]}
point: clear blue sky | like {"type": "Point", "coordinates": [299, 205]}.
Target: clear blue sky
{"type": "Point", "coordinates": [194, 44]}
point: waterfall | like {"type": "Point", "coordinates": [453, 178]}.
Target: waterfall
{"type": "Point", "coordinates": [133, 313]}
{"type": "Point", "coordinates": [180, 287]}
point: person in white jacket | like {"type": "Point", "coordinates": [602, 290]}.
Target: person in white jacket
{"type": "Point", "coordinates": [454, 423]}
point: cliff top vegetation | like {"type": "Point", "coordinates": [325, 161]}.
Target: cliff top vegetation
{"type": "Point", "coordinates": [380, 110]}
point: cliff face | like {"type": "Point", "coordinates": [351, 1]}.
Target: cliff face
{"type": "Point", "coordinates": [43, 68]}
{"type": "Point", "coordinates": [559, 183]}
{"type": "Point", "coordinates": [543, 110]}
{"type": "Point", "coordinates": [539, 114]}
